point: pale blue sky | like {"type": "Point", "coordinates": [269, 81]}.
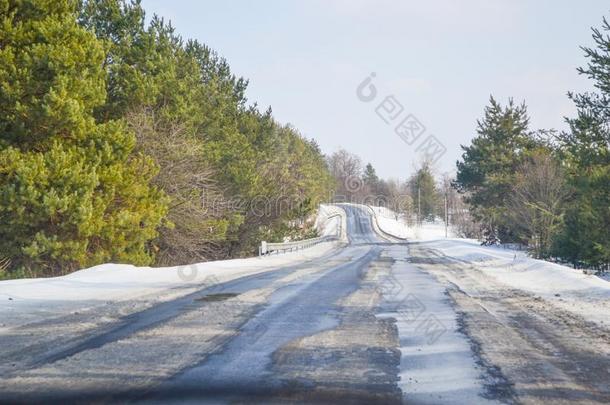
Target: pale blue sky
{"type": "Point", "coordinates": [441, 59]}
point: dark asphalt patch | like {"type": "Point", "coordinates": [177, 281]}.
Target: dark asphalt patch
{"type": "Point", "coordinates": [216, 297]}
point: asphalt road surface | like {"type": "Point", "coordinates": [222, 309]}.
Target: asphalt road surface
{"type": "Point", "coordinates": [375, 321]}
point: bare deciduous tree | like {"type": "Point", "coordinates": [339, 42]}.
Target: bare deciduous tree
{"type": "Point", "coordinates": [457, 211]}
{"type": "Point", "coordinates": [198, 215]}
{"type": "Point", "coordinates": [346, 168]}
{"type": "Point", "coordinates": [537, 201]}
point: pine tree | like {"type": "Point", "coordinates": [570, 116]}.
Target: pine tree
{"type": "Point", "coordinates": [424, 192]}
{"type": "Point", "coordinates": [172, 95]}
{"type": "Point", "coordinates": [176, 93]}
{"type": "Point", "coordinates": [585, 149]}
{"type": "Point", "coordinates": [487, 169]}
{"type": "Point", "coordinates": [370, 179]}
{"type": "Point", "coordinates": [72, 193]}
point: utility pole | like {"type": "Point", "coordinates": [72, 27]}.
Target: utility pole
{"type": "Point", "coordinates": [446, 216]}
{"type": "Point", "coordinates": [418, 204]}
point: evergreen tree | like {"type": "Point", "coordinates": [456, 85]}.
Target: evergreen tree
{"type": "Point", "coordinates": [487, 169]}
{"type": "Point", "coordinates": [424, 192]}
{"type": "Point", "coordinates": [180, 102]}
{"type": "Point", "coordinates": [370, 179]}
{"type": "Point", "coordinates": [585, 150]}
{"type": "Point", "coordinates": [176, 93]}
{"type": "Point", "coordinates": [72, 193]}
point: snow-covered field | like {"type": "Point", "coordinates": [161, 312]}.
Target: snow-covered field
{"type": "Point", "coordinates": [568, 288]}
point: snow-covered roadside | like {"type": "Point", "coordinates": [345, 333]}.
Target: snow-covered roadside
{"type": "Point", "coordinates": [25, 300]}
{"type": "Point", "coordinates": [331, 220]}
{"type": "Point", "coordinates": [388, 222]}
{"type": "Point", "coordinates": [567, 288]}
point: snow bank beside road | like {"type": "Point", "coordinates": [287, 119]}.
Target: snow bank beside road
{"type": "Point", "coordinates": [570, 289]}
{"type": "Point", "coordinates": [395, 225]}
{"type": "Point", "coordinates": [331, 220]}
{"type": "Point", "coordinates": [127, 288]}
{"type": "Point", "coordinates": [122, 281]}
{"type": "Point", "coordinates": [26, 299]}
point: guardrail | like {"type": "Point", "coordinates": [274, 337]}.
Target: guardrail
{"type": "Point", "coordinates": [269, 248]}
{"type": "Point", "coordinates": [380, 231]}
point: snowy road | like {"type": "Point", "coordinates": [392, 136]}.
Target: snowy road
{"type": "Point", "coordinates": [375, 321]}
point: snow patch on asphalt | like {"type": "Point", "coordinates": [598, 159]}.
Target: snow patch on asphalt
{"type": "Point", "coordinates": [437, 365]}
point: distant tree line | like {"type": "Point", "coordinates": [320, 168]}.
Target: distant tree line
{"type": "Point", "coordinates": [122, 142]}
{"type": "Point", "coordinates": [424, 196]}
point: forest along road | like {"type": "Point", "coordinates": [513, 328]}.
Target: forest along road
{"type": "Point", "coordinates": [377, 321]}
